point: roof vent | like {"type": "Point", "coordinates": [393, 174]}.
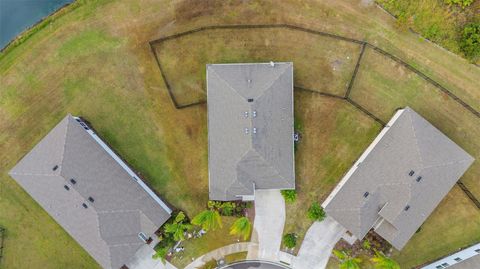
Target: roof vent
{"type": "Point", "coordinates": [245, 114]}
{"type": "Point", "coordinates": [419, 178]}
{"type": "Point", "coordinates": [73, 181]}
{"type": "Point", "coordinates": [55, 167]}
{"type": "Point", "coordinates": [407, 208]}
{"type": "Point", "coordinates": [246, 130]}
{"type": "Point", "coordinates": [254, 130]}
{"type": "Point", "coordinates": [66, 187]}
{"type": "Point", "coordinates": [366, 194]}
{"type": "Point", "coordinates": [411, 173]}
{"type": "Point", "coordinates": [249, 80]}
{"type": "Point", "coordinates": [91, 199]}
{"type": "Point", "coordinates": [85, 205]}
{"type": "Point", "coordinates": [250, 100]}
{"type": "Point", "coordinates": [254, 114]}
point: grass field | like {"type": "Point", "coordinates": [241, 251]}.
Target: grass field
{"type": "Point", "coordinates": [95, 61]}
{"type": "Point", "coordinates": [184, 65]}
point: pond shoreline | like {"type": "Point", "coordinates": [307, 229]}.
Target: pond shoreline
{"type": "Point", "coordinates": [22, 36]}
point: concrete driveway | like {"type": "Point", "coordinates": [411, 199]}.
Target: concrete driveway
{"type": "Point", "coordinates": [318, 244]}
{"type": "Point", "coordinates": [268, 225]}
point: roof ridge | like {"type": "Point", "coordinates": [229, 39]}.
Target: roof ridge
{"type": "Point", "coordinates": [226, 82]}
{"type": "Point", "coordinates": [270, 165]}
{"type": "Point", "coordinates": [417, 147]}
{"type": "Point", "coordinates": [269, 87]}
{"type": "Point", "coordinates": [69, 116]}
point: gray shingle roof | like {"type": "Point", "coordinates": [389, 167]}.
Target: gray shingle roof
{"type": "Point", "coordinates": [108, 229]}
{"type": "Point", "coordinates": [250, 141]}
{"type": "Point", "coordinates": [397, 203]}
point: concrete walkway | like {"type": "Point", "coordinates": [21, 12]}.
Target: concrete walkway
{"type": "Point", "coordinates": [219, 253]}
{"type": "Point", "coordinates": [268, 225]}
{"type": "Point", "coordinates": [318, 244]}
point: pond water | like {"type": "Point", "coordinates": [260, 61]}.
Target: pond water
{"type": "Point", "coordinates": [18, 15]}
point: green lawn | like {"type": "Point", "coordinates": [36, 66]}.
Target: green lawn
{"type": "Point", "coordinates": [95, 61]}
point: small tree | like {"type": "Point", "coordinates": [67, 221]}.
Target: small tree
{"type": "Point", "coordinates": [346, 260]}
{"type": "Point", "coordinates": [290, 240]}
{"type": "Point", "coordinates": [208, 220]}
{"type": "Point", "coordinates": [383, 262]}
{"type": "Point", "coordinates": [316, 212]}
{"type": "Point", "coordinates": [241, 227]}
{"type": "Point", "coordinates": [289, 195]}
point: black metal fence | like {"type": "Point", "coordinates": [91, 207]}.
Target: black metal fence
{"type": "Point", "coordinates": [2, 239]}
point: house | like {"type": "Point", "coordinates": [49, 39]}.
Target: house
{"type": "Point", "coordinates": [250, 129]}
{"type": "Point", "coordinates": [468, 258]}
{"type": "Point", "coordinates": [91, 192]}
{"type": "Point", "coordinates": [398, 181]}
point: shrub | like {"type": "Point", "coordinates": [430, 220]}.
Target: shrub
{"type": "Point", "coordinates": [462, 3]}
{"type": "Point", "coordinates": [383, 262]}
{"type": "Point", "coordinates": [366, 244]}
{"type": "Point", "coordinates": [470, 41]}
{"type": "Point", "coordinates": [316, 212]}
{"type": "Point", "coordinates": [160, 253]}
{"type": "Point", "coordinates": [228, 208]}
{"type": "Point", "coordinates": [289, 195]}
{"type": "Point", "coordinates": [290, 240]}
{"type": "Point", "coordinates": [347, 261]}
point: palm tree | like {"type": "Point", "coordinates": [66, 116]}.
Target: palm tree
{"type": "Point", "coordinates": [208, 220]}
{"type": "Point", "coordinates": [347, 261]}
{"type": "Point", "coordinates": [383, 262]}
{"type": "Point", "coordinates": [177, 229]}
{"type": "Point", "coordinates": [241, 227]}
